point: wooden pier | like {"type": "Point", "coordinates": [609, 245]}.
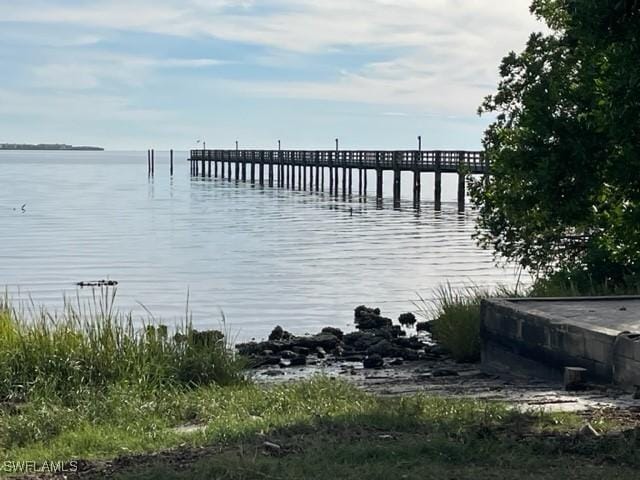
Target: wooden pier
{"type": "Point", "coordinates": [308, 169]}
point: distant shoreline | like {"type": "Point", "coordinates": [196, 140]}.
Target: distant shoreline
{"type": "Point", "coordinates": [44, 146]}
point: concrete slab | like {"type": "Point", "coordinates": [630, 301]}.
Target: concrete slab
{"type": "Point", "coordinates": [615, 313]}
{"type": "Point", "coordinates": [542, 336]}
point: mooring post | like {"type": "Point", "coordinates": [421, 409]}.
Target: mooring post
{"type": "Point", "coordinates": [153, 162]}
{"type": "Point", "coordinates": [462, 172]}
{"type": "Point", "coordinates": [149, 163]}
{"type": "Point", "coordinates": [171, 161]}
{"type": "Point", "coordinates": [438, 181]}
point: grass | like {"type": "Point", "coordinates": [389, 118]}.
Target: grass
{"type": "Point", "coordinates": [456, 318]}
{"type": "Point", "coordinates": [86, 349]}
{"type": "Point", "coordinates": [324, 428]}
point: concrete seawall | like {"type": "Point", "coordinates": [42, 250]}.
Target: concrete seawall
{"type": "Point", "coordinates": [540, 337]}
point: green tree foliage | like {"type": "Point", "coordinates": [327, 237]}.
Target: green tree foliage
{"type": "Point", "coordinates": [565, 145]}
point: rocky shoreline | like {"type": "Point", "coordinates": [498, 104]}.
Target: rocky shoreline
{"type": "Point", "coordinates": [376, 343]}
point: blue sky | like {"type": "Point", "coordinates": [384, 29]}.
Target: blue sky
{"type": "Point", "coordinates": [133, 74]}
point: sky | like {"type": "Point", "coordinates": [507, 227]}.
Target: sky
{"type": "Point", "coordinates": [137, 74]}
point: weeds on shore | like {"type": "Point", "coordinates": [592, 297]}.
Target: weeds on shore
{"type": "Point", "coordinates": [92, 347]}
{"type": "Point", "coordinates": [455, 317]}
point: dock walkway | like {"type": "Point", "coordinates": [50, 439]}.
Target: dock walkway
{"type": "Point", "coordinates": [310, 167]}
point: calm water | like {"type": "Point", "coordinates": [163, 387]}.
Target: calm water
{"type": "Point", "coordinates": [263, 256]}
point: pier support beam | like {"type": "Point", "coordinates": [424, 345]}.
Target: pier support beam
{"type": "Point", "coordinates": [344, 182]}
{"type": "Point", "coordinates": [330, 179]}
{"type": "Point", "coordinates": [379, 184]}
{"type": "Point", "coordinates": [461, 190]}
{"type": "Point", "coordinates": [438, 182]}
{"type": "Point", "coordinates": [253, 172]}
{"type": "Point", "coordinates": [350, 181]}
{"type": "Point", "coordinates": [360, 182]}
{"type": "Point", "coordinates": [417, 187]}
{"type": "Point", "coordinates": [396, 187]}
{"type": "Point", "coordinates": [462, 176]}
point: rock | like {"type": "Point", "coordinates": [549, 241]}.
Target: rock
{"type": "Point", "coordinates": [368, 319]}
{"type": "Point", "coordinates": [288, 354]}
{"type": "Point", "coordinates": [396, 362]}
{"type": "Point", "coordinates": [284, 363]}
{"type": "Point", "coordinates": [353, 358]}
{"type": "Point", "coordinates": [360, 341]}
{"type": "Point", "coordinates": [276, 334]}
{"type": "Point", "coordinates": [336, 332]}
{"type": "Point", "coordinates": [384, 348]}
{"type": "Point", "coordinates": [363, 309]}
{"type": "Point", "coordinates": [373, 361]}
{"type": "Point", "coordinates": [273, 373]}
{"type": "Point", "coordinates": [298, 361]}
{"type": "Point", "coordinates": [301, 350]}
{"type": "Point", "coordinates": [424, 327]}
{"type": "Point", "coordinates": [408, 354]}
{"type": "Point", "coordinates": [265, 360]}
{"type": "Point", "coordinates": [444, 372]}
{"type": "Point", "coordinates": [412, 343]}
{"type": "Point", "coordinates": [407, 319]}
{"type": "Point", "coordinates": [325, 340]}
{"type": "Point", "coordinates": [320, 352]}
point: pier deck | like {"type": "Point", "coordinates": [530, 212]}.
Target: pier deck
{"type": "Point", "coordinates": [309, 166]}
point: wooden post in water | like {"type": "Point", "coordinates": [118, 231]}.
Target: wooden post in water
{"type": "Point", "coordinates": [310, 177]}
{"type": "Point", "coordinates": [261, 169]}
{"type": "Point", "coordinates": [417, 186]}
{"type": "Point", "coordinates": [364, 184]}
{"type": "Point", "coordinates": [270, 169]}
{"type": "Point", "coordinates": [330, 173]}
{"type": "Point", "coordinates": [229, 168]}
{"type": "Point", "coordinates": [149, 163]}
{"type": "Point", "coordinates": [396, 178]}
{"type": "Point", "coordinates": [171, 161]}
{"type": "Point", "coordinates": [438, 182]}
{"type": "Point", "coordinates": [462, 172]}
{"type": "Point", "coordinates": [153, 162]}
{"type": "Point", "coordinates": [253, 169]}
{"type": "Point", "coordinates": [302, 176]}
{"type": "Point", "coordinates": [209, 163]}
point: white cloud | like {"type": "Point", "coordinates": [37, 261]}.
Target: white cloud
{"type": "Point", "coordinates": [93, 70]}
{"type": "Point", "coordinates": [440, 55]}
